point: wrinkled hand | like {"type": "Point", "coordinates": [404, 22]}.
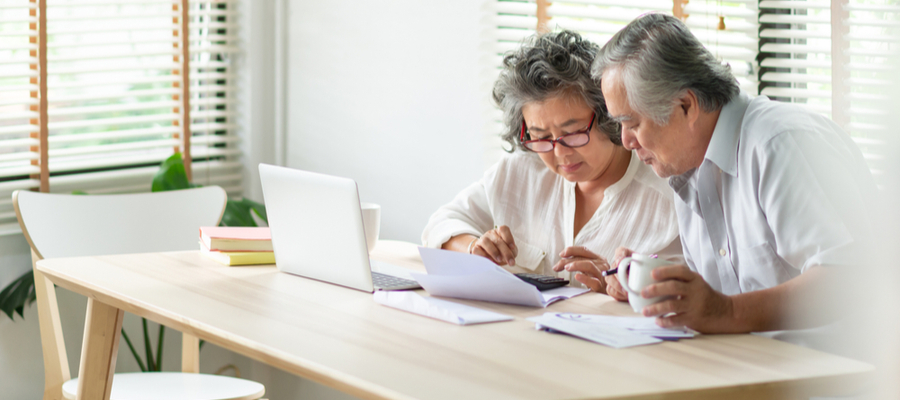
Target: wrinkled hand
{"type": "Point", "coordinates": [498, 245]}
{"type": "Point", "coordinates": [613, 287]}
{"type": "Point", "coordinates": [585, 265]}
{"type": "Point", "coordinates": [694, 303]}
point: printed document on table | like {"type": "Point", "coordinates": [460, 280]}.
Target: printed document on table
{"type": "Point", "coordinates": [466, 276]}
{"type": "Point", "coordinates": [443, 310]}
{"type": "Point", "coordinates": [610, 335]}
{"type": "Point", "coordinates": [641, 325]}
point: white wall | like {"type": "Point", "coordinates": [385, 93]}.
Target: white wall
{"type": "Point", "coordinates": [391, 95]}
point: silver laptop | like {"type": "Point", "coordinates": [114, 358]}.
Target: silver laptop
{"type": "Point", "coordinates": [317, 229]}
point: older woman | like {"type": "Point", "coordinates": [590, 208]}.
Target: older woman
{"type": "Point", "coordinates": [568, 194]}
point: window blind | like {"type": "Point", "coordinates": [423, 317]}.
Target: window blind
{"type": "Point", "coordinates": [115, 95]}
{"type": "Point", "coordinates": [833, 58]}
{"type": "Point", "coordinates": [19, 105]}
{"type": "Point", "coordinates": [729, 29]}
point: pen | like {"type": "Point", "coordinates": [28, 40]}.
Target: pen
{"type": "Point", "coordinates": [614, 270]}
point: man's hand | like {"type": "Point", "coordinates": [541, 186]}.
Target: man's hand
{"type": "Point", "coordinates": [586, 266]}
{"type": "Point", "coordinates": [498, 245]}
{"type": "Point", "coordinates": [694, 303]}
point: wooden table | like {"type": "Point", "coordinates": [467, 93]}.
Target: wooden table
{"type": "Point", "coordinates": [341, 338]}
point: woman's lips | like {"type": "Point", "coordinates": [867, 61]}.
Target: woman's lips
{"type": "Point", "coordinates": [570, 167]}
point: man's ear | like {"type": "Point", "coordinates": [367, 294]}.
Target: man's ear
{"type": "Point", "coordinates": [690, 105]}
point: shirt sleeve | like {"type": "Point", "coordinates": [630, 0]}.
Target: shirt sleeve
{"type": "Point", "coordinates": [813, 189]}
{"type": "Point", "coordinates": [468, 213]}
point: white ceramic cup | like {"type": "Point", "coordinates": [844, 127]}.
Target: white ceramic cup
{"type": "Point", "coordinates": [371, 214]}
{"type": "Point", "coordinates": [636, 276]}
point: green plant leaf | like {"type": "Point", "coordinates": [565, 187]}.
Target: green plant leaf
{"type": "Point", "coordinates": [137, 357]}
{"type": "Point", "coordinates": [151, 365]}
{"type": "Point", "coordinates": [159, 346]}
{"type": "Point", "coordinates": [171, 175]}
{"type": "Point", "coordinates": [237, 213]}
{"type": "Point", "coordinates": [15, 296]}
{"type": "Point", "coordinates": [259, 209]}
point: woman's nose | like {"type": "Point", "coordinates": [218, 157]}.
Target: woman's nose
{"type": "Point", "coordinates": [561, 150]}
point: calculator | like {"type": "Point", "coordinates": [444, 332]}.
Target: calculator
{"type": "Point", "coordinates": [543, 282]}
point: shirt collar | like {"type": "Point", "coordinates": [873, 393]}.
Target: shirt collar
{"type": "Point", "coordinates": [685, 188]}
{"type": "Point", "coordinates": [723, 146]}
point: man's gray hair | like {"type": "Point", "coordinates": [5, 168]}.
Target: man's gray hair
{"type": "Point", "coordinates": [546, 66]}
{"type": "Point", "coordinates": [658, 60]}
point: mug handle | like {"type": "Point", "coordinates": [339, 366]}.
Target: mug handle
{"type": "Point", "coordinates": [622, 275]}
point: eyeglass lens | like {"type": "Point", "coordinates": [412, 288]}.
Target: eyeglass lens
{"type": "Point", "coordinates": [570, 140]}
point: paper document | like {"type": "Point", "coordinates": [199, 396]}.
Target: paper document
{"type": "Point", "coordinates": [612, 336]}
{"type": "Point", "coordinates": [438, 309]}
{"type": "Point", "coordinates": [642, 325]}
{"type": "Point", "coordinates": [612, 331]}
{"type": "Point", "coordinates": [466, 276]}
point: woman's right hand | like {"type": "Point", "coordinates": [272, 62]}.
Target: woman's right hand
{"type": "Point", "coordinates": [497, 245]}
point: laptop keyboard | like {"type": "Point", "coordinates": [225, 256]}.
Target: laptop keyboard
{"type": "Point", "coordinates": [389, 282]}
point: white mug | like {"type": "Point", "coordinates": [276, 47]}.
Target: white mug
{"type": "Point", "coordinates": [371, 215]}
{"type": "Point", "coordinates": [639, 277]}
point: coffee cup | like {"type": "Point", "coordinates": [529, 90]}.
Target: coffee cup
{"type": "Point", "coordinates": [635, 273]}
{"type": "Point", "coordinates": [371, 214]}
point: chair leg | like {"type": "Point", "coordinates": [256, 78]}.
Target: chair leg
{"type": "Point", "coordinates": [102, 330]}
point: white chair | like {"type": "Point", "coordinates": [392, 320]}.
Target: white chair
{"type": "Point", "coordinates": [84, 225]}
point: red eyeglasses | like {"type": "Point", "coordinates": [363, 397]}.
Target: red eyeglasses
{"type": "Point", "coordinates": [571, 140]}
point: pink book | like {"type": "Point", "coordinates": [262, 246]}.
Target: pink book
{"type": "Point", "coordinates": [233, 238]}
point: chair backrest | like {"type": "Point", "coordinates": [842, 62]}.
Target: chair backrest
{"type": "Point", "coordinates": [58, 225]}
{"type": "Point", "coordinates": [86, 225]}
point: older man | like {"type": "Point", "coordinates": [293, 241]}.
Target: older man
{"type": "Point", "coordinates": [771, 199]}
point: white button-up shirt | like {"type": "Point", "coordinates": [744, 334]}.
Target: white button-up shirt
{"type": "Point", "coordinates": [780, 190]}
{"type": "Point", "coordinates": [539, 208]}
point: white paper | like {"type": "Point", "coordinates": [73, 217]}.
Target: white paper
{"type": "Point", "coordinates": [562, 293]}
{"type": "Point", "coordinates": [466, 276]}
{"type": "Point", "coordinates": [609, 335]}
{"type": "Point", "coordinates": [438, 309]}
{"type": "Point", "coordinates": [642, 325]}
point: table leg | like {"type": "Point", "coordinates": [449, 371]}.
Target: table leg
{"type": "Point", "coordinates": [102, 329]}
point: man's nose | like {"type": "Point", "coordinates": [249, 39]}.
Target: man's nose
{"type": "Point", "coordinates": [629, 141]}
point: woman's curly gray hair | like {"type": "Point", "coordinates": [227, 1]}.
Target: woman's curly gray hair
{"type": "Point", "coordinates": [546, 66]}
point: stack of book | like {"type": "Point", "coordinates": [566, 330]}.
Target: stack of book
{"type": "Point", "coordinates": [237, 245]}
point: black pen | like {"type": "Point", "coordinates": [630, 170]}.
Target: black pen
{"type": "Point", "coordinates": [614, 270]}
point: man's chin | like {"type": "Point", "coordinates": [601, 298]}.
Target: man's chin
{"type": "Point", "coordinates": [661, 171]}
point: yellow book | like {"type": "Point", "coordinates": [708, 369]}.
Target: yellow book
{"type": "Point", "coordinates": [239, 257]}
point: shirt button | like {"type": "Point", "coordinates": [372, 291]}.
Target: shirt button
{"type": "Point", "coordinates": [722, 252]}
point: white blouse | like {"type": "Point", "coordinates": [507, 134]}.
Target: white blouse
{"type": "Point", "coordinates": [538, 206]}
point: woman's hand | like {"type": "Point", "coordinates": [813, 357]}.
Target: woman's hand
{"type": "Point", "coordinates": [498, 245]}
{"type": "Point", "coordinates": [585, 266]}
{"type": "Point", "coordinates": [613, 287]}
